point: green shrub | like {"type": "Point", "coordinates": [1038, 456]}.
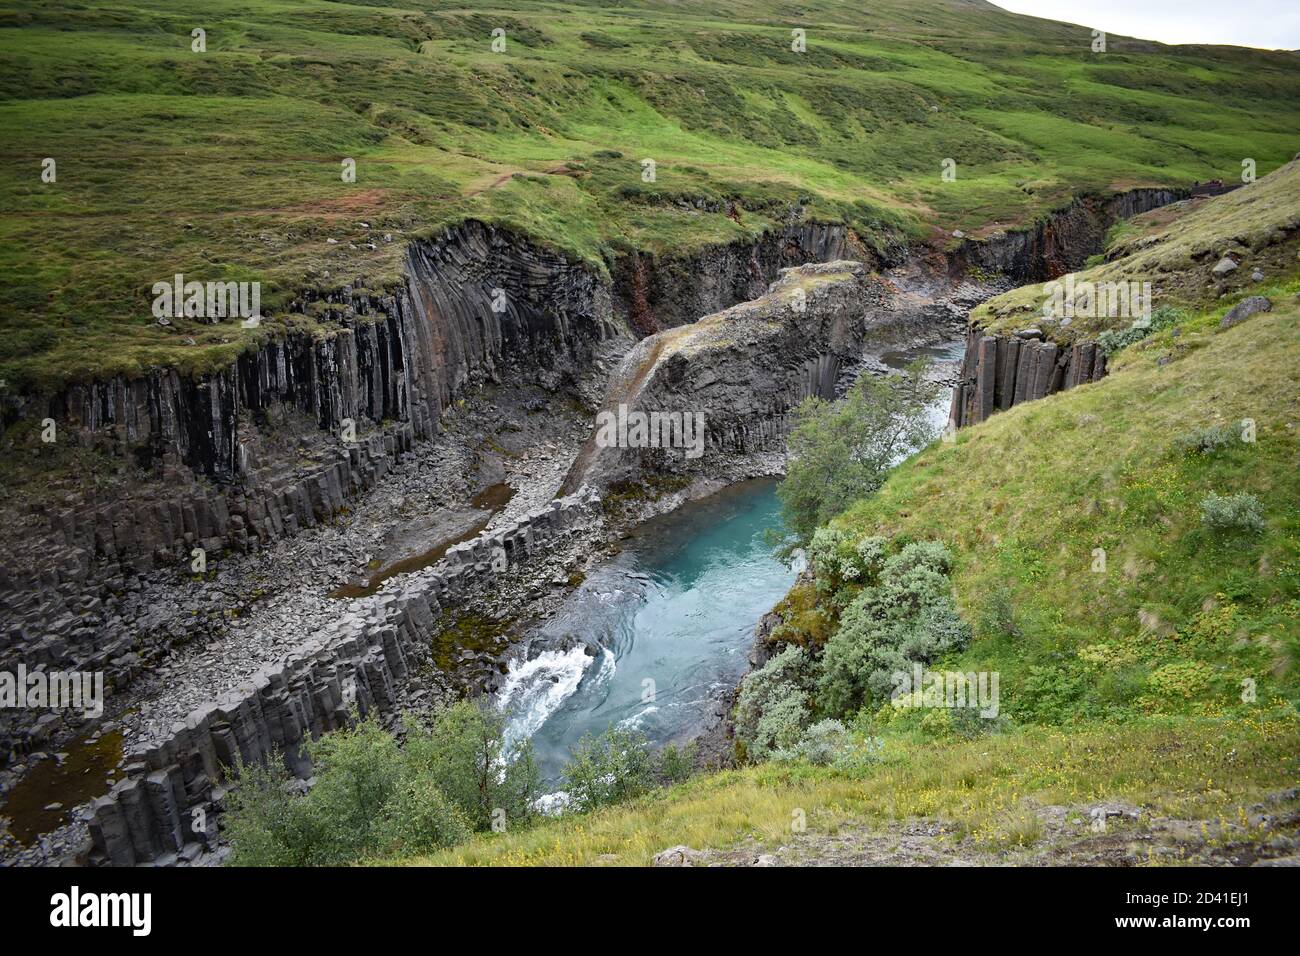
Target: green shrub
{"type": "Point", "coordinates": [337, 822]}
{"type": "Point", "coordinates": [1239, 512]}
{"type": "Point", "coordinates": [674, 764]}
{"type": "Point", "coordinates": [1205, 440]}
{"type": "Point", "coordinates": [840, 452]}
{"type": "Point", "coordinates": [997, 615]}
{"type": "Point", "coordinates": [782, 723]}
{"type": "Point", "coordinates": [907, 618]}
{"type": "Point", "coordinates": [837, 559]}
{"type": "Point", "coordinates": [420, 819]}
{"type": "Point", "coordinates": [1114, 340]}
{"type": "Point", "coordinates": [261, 820]}
{"type": "Point", "coordinates": [820, 744]}
{"type": "Point", "coordinates": [462, 753]}
{"type": "Point", "coordinates": [371, 796]}
{"type": "Point", "coordinates": [773, 704]}
{"type": "Point", "coordinates": [356, 772]}
{"type": "Point", "coordinates": [605, 770]}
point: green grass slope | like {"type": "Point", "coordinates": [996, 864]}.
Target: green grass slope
{"type": "Point", "coordinates": [225, 164]}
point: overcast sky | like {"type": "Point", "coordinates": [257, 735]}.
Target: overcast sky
{"type": "Point", "coordinates": [1272, 24]}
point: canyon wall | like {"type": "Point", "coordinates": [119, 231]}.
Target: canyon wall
{"type": "Point", "coordinates": [1059, 242]}
{"type": "Point", "coordinates": [656, 292]}
{"type": "Point", "coordinates": [744, 370]}
{"type": "Point", "coordinates": [165, 810]}
{"type": "Point", "coordinates": [1001, 371]}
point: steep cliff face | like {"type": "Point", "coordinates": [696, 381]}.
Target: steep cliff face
{"type": "Point", "coordinates": [658, 292]}
{"type": "Point", "coordinates": [1060, 242]}
{"type": "Point", "coordinates": [478, 302]}
{"type": "Point", "coordinates": [1000, 371]}
{"type": "Point", "coordinates": [733, 378]}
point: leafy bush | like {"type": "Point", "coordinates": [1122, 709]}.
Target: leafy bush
{"type": "Point", "coordinates": [674, 764]}
{"type": "Point", "coordinates": [773, 704]}
{"type": "Point", "coordinates": [837, 559]}
{"type": "Point", "coordinates": [1239, 512]}
{"type": "Point", "coordinates": [1181, 679]}
{"type": "Point", "coordinates": [1205, 440]}
{"type": "Point", "coordinates": [371, 796]}
{"type": "Point", "coordinates": [1114, 340]}
{"type": "Point", "coordinates": [337, 822]}
{"type": "Point", "coordinates": [908, 617]}
{"type": "Point", "coordinates": [607, 769]}
{"type": "Point", "coordinates": [997, 615]}
{"type": "Point", "coordinates": [462, 753]}
{"type": "Point", "coordinates": [420, 819]}
{"type": "Point", "coordinates": [261, 820]}
{"type": "Point", "coordinates": [820, 744]}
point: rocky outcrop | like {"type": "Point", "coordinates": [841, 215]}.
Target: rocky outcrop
{"type": "Point", "coordinates": [1001, 371]}
{"type": "Point", "coordinates": [1243, 310]}
{"type": "Point", "coordinates": [1059, 242]}
{"type": "Point", "coordinates": [477, 303]}
{"type": "Point", "coordinates": [739, 373]}
{"type": "Point", "coordinates": [165, 810]}
{"type": "Point", "coordinates": [661, 291]}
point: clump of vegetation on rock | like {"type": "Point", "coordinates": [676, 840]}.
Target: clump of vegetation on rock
{"type": "Point", "coordinates": [897, 611]}
{"type": "Point", "coordinates": [608, 769]}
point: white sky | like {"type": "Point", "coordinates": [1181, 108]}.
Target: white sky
{"type": "Point", "coordinates": [1271, 24]}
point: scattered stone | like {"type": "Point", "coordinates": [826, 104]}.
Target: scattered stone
{"type": "Point", "coordinates": [1030, 333]}
{"type": "Point", "coordinates": [1225, 266]}
{"type": "Point", "coordinates": [1245, 309]}
{"type": "Point", "coordinates": [679, 856]}
{"type": "Point", "coordinates": [1257, 276]}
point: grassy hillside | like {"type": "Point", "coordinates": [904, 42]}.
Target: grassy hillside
{"type": "Point", "coordinates": [992, 798]}
{"type": "Point", "coordinates": [225, 164]}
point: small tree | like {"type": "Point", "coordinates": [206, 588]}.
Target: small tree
{"type": "Point", "coordinates": [462, 753]}
{"type": "Point", "coordinates": [841, 451]}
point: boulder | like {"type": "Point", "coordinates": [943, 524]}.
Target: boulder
{"type": "Point", "coordinates": [1225, 266]}
{"type": "Point", "coordinates": [679, 856]}
{"type": "Point", "coordinates": [1245, 309]}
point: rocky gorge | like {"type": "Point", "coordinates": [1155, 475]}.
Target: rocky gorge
{"type": "Point", "coordinates": [452, 388]}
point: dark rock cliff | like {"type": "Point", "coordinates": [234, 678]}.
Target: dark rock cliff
{"type": "Point", "coordinates": [1061, 241]}
{"type": "Point", "coordinates": [1000, 371]}
{"type": "Point", "coordinates": [657, 292]}
{"type": "Point", "coordinates": [741, 372]}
